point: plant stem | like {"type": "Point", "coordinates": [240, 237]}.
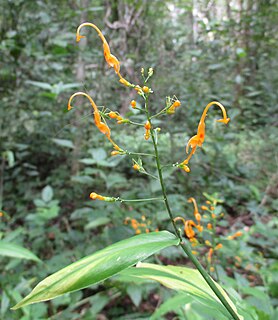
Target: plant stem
{"type": "Point", "coordinates": [139, 154]}
{"type": "Point", "coordinates": [138, 200]}
{"type": "Point", "coordinates": [184, 246]}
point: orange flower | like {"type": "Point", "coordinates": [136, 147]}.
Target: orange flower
{"type": "Point", "coordinates": [95, 196]}
{"type": "Point", "coordinates": [136, 167]}
{"type": "Point", "coordinates": [115, 153]}
{"type": "Point", "coordinates": [111, 60]}
{"type": "Point", "coordinates": [146, 89]}
{"type": "Point", "coordinates": [148, 128]}
{"type": "Point", "coordinates": [133, 104]}
{"type": "Point", "coordinates": [115, 115]}
{"type": "Point", "coordinates": [173, 107]}
{"type": "Point", "coordinates": [103, 127]}
{"type": "Point", "coordinates": [199, 138]}
{"type": "Point", "coordinates": [237, 234]}
{"type": "Point", "coordinates": [209, 226]}
{"type": "Point", "coordinates": [188, 228]}
{"type": "Point", "coordinates": [210, 253]}
{"type": "Point", "coordinates": [196, 211]}
{"type": "Point", "coordinates": [218, 246]}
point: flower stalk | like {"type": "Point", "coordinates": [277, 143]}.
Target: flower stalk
{"type": "Point", "coordinates": [182, 244]}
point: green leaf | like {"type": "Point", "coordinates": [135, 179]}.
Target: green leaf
{"type": "Point", "coordinates": [97, 223]}
{"type": "Point", "coordinates": [182, 279]}
{"type": "Point", "coordinates": [99, 266]}
{"type": "Point", "coordinates": [15, 251]}
{"type": "Point", "coordinates": [172, 304]}
{"type": "Point", "coordinates": [47, 194]}
{"type": "Point", "coordinates": [82, 179]}
{"type": "Point", "coordinates": [64, 143]}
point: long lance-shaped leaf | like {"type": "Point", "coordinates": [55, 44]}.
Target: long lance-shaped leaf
{"type": "Point", "coordinates": [182, 279]}
{"type": "Point", "coordinates": [99, 266]}
{"type": "Point", "coordinates": [15, 251]}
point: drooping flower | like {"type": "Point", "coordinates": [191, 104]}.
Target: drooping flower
{"type": "Point", "coordinates": [103, 127]}
{"type": "Point", "coordinates": [188, 224]}
{"type": "Point", "coordinates": [199, 138]}
{"type": "Point", "coordinates": [196, 211]}
{"type": "Point", "coordinates": [111, 60]}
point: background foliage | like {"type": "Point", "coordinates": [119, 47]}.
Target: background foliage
{"type": "Point", "coordinates": [51, 160]}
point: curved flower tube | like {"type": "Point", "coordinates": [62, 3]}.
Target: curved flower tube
{"type": "Point", "coordinates": [199, 138]}
{"type": "Point", "coordinates": [188, 224]}
{"type": "Point", "coordinates": [103, 127]}
{"type": "Point", "coordinates": [196, 211]}
{"type": "Point", "coordinates": [111, 60]}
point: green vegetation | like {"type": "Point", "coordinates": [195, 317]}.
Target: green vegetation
{"type": "Point", "coordinates": [52, 160]}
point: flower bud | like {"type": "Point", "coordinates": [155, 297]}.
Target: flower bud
{"type": "Point", "coordinates": [208, 243]}
{"type": "Point", "coordinates": [125, 82]}
{"type": "Point", "coordinates": [136, 167]}
{"type": "Point", "coordinates": [133, 104]}
{"type": "Point", "coordinates": [219, 246]}
{"type": "Point", "coordinates": [146, 89]}
{"type": "Point", "coordinates": [150, 72]}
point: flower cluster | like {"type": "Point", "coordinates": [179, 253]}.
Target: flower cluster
{"type": "Point", "coordinates": [143, 226]}
{"type": "Point", "coordinates": [205, 236]}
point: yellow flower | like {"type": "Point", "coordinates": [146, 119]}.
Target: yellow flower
{"type": "Point", "coordinates": [103, 127]}
{"type": "Point", "coordinates": [208, 243]}
{"type": "Point", "coordinates": [199, 138]}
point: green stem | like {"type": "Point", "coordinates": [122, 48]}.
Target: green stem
{"type": "Point", "coordinates": [139, 154]}
{"type": "Point", "coordinates": [149, 174]}
{"type": "Point", "coordinates": [138, 200]}
{"type": "Point", "coordinates": [185, 248]}
{"type": "Point", "coordinates": [136, 123]}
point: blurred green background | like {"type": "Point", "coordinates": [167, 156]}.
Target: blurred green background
{"type": "Point", "coordinates": [51, 159]}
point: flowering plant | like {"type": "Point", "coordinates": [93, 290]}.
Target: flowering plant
{"type": "Point", "coordinates": [124, 254]}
